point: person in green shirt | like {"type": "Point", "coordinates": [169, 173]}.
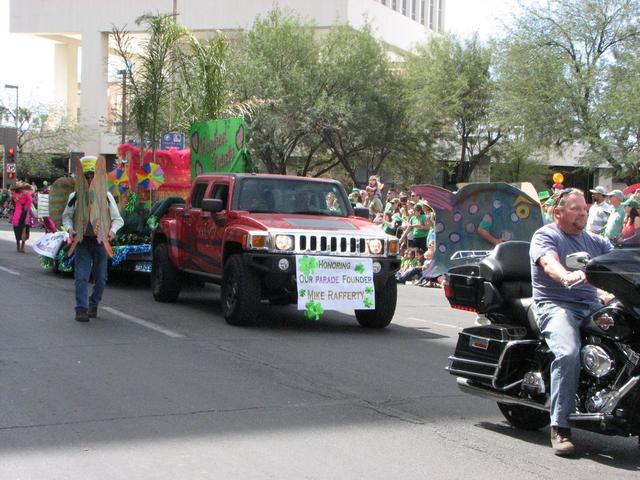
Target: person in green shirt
{"type": "Point", "coordinates": [613, 228]}
{"type": "Point", "coordinates": [392, 218]}
{"type": "Point", "coordinates": [421, 224]}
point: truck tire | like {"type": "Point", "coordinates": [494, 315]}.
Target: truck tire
{"type": "Point", "coordinates": [240, 292]}
{"type": "Point", "coordinates": [525, 418]}
{"type": "Point", "coordinates": [386, 298]}
{"type": "Point", "coordinates": [165, 278]}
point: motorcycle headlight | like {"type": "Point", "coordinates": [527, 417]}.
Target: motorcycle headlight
{"type": "Point", "coordinates": [284, 242]}
{"type": "Point", "coordinates": [375, 246]}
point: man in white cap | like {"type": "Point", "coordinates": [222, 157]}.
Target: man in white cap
{"type": "Point", "coordinates": [599, 211]}
{"type": "Point", "coordinates": [92, 220]}
{"type": "Point", "coordinates": [613, 229]}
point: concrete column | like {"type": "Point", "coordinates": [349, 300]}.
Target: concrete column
{"type": "Point", "coordinates": [93, 88]}
{"type": "Point", "coordinates": [66, 78]}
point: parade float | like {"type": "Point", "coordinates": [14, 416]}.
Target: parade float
{"type": "Point", "coordinates": [144, 186]}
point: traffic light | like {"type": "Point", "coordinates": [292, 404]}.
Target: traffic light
{"type": "Point", "coordinates": [11, 155]}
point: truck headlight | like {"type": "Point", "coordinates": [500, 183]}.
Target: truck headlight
{"type": "Point", "coordinates": [284, 242]}
{"type": "Point", "coordinates": [375, 246]}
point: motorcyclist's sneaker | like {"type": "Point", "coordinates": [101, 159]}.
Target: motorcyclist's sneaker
{"type": "Point", "coordinates": [82, 316]}
{"type": "Point", "coordinates": [92, 312]}
{"type": "Point", "coordinates": [561, 441]}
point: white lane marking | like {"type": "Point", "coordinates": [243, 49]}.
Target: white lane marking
{"type": "Point", "coordinates": [435, 323]}
{"type": "Point", "coordinates": [143, 323]}
{"type": "Point", "coordinates": [12, 272]}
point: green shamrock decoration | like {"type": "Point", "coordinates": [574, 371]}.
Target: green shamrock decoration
{"type": "Point", "coordinates": [369, 290]}
{"type": "Point", "coordinates": [302, 293]}
{"type": "Point", "coordinates": [152, 222]}
{"type": "Point", "coordinates": [359, 268]}
{"type": "Point", "coordinates": [308, 265]}
{"type": "Point", "coordinates": [314, 310]}
{"type": "Point", "coordinates": [368, 302]}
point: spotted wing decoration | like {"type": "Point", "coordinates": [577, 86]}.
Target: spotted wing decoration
{"type": "Point", "coordinates": [509, 211]}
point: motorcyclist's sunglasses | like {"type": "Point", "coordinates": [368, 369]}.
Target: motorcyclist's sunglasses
{"type": "Point", "coordinates": [562, 193]}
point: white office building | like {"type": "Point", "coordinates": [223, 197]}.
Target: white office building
{"type": "Point", "coordinates": [81, 29]}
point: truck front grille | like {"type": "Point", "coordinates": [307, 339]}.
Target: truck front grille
{"type": "Point", "coordinates": [335, 245]}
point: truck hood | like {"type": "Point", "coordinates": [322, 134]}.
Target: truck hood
{"type": "Point", "coordinates": [283, 221]}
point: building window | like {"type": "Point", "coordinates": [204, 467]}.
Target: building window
{"type": "Point", "coordinates": [383, 2]}
{"type": "Point", "coordinates": [423, 19]}
{"type": "Point", "coordinates": [414, 5]}
{"type": "Point", "coordinates": [441, 15]}
{"type": "Point", "coordinates": [404, 7]}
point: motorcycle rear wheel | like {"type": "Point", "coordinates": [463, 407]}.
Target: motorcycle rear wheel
{"type": "Point", "coordinates": [525, 418]}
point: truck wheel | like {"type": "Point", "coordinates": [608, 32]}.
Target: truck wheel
{"type": "Point", "coordinates": [240, 292]}
{"type": "Point", "coordinates": [165, 278]}
{"type": "Point", "coordinates": [385, 306]}
{"type": "Point", "coordinates": [526, 418]}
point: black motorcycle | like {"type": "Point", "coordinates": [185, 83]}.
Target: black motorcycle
{"type": "Point", "coordinates": [508, 361]}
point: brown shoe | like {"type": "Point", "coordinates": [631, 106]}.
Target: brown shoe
{"type": "Point", "coordinates": [82, 316]}
{"type": "Point", "coordinates": [561, 441]}
{"type": "Point", "coordinates": [93, 311]}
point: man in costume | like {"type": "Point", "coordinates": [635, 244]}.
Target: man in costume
{"type": "Point", "coordinates": [92, 219]}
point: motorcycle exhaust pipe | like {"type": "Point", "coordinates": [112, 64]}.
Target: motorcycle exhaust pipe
{"type": "Point", "coordinates": [466, 387]}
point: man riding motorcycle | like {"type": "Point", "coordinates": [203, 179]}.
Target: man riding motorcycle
{"type": "Point", "coordinates": [561, 311]}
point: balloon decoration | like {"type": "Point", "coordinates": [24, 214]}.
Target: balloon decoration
{"type": "Point", "coordinates": [558, 177]}
{"type": "Point", "coordinates": [118, 181]}
{"type": "Point", "coordinates": [150, 176]}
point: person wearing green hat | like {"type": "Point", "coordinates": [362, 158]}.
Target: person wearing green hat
{"type": "Point", "coordinates": [547, 210]}
{"type": "Point", "coordinates": [91, 217]}
{"type": "Point", "coordinates": [631, 225]}
{"type": "Point", "coordinates": [613, 228]}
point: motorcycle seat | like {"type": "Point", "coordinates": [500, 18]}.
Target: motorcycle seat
{"type": "Point", "coordinates": [508, 269]}
{"type": "Point", "coordinates": [520, 312]}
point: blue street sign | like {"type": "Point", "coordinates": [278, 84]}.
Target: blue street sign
{"type": "Point", "coordinates": [172, 139]}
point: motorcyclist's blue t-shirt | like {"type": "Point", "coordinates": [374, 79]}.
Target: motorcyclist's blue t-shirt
{"type": "Point", "coordinates": [550, 239]}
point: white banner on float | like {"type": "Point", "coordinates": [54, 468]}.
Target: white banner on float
{"type": "Point", "coordinates": [335, 283]}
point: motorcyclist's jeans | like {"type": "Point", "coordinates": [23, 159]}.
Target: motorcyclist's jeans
{"type": "Point", "coordinates": [90, 256]}
{"type": "Point", "coordinates": [560, 324]}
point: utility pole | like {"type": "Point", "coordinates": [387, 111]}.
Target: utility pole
{"type": "Point", "coordinates": [17, 104]}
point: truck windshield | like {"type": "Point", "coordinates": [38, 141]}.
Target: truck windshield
{"type": "Point", "coordinates": [272, 195]}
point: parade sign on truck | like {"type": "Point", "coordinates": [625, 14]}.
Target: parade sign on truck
{"type": "Point", "coordinates": [218, 146]}
{"type": "Point", "coordinates": [330, 283]}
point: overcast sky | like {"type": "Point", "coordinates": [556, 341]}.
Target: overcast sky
{"type": "Point", "coordinates": [28, 61]}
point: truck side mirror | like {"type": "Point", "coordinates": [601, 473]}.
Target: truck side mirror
{"type": "Point", "coordinates": [361, 212]}
{"type": "Point", "coordinates": [212, 205]}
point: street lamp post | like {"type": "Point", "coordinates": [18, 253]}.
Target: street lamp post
{"type": "Point", "coordinates": [17, 104]}
{"type": "Point", "coordinates": [124, 105]}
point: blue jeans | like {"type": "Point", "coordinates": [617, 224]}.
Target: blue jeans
{"type": "Point", "coordinates": [560, 325]}
{"type": "Point", "coordinates": [90, 256]}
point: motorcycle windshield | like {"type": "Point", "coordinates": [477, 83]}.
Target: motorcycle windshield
{"type": "Point", "coordinates": [618, 272]}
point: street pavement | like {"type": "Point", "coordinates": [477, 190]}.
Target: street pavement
{"type": "Point", "coordinates": [168, 391]}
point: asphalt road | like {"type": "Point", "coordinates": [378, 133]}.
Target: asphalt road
{"type": "Point", "coordinates": [170, 391]}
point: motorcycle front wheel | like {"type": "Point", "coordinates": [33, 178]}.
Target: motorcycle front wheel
{"type": "Point", "coordinates": [525, 418]}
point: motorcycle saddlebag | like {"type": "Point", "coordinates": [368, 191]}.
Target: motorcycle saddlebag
{"type": "Point", "coordinates": [494, 355]}
{"type": "Point", "coordinates": [467, 290]}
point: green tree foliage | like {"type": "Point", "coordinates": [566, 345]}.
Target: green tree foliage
{"type": "Point", "coordinates": [452, 95]}
{"type": "Point", "coordinates": [514, 161]}
{"type": "Point", "coordinates": [42, 133]}
{"type": "Point", "coordinates": [276, 63]}
{"type": "Point", "coordinates": [564, 71]}
{"type": "Point", "coordinates": [152, 70]}
{"type": "Point", "coordinates": [360, 110]}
